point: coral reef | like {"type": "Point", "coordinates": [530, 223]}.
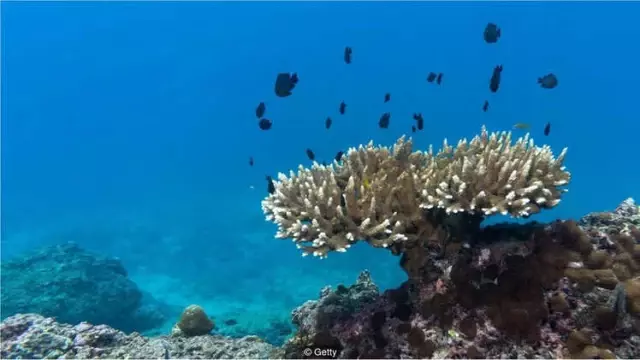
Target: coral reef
{"type": "Point", "coordinates": [567, 289]}
{"type": "Point", "coordinates": [380, 195]}
{"type": "Point", "coordinates": [35, 337]}
{"type": "Point", "coordinates": [72, 285]}
{"type": "Point", "coordinates": [517, 291]}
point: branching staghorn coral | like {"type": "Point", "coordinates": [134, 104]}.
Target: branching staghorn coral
{"type": "Point", "coordinates": [380, 194]}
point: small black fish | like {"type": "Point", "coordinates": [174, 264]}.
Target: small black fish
{"type": "Point", "coordinates": [419, 120]}
{"type": "Point", "coordinates": [384, 120]}
{"type": "Point", "coordinates": [492, 33]}
{"type": "Point", "coordinates": [485, 107]}
{"type": "Point", "coordinates": [494, 83]}
{"type": "Point", "coordinates": [230, 322]}
{"type": "Point", "coordinates": [251, 161]}
{"type": "Point", "coordinates": [271, 188]}
{"type": "Point", "coordinates": [413, 128]}
{"type": "Point", "coordinates": [339, 156]}
{"type": "Point", "coordinates": [260, 110]}
{"type": "Point", "coordinates": [327, 123]}
{"type": "Point", "coordinates": [547, 129]}
{"type": "Point", "coordinates": [387, 97]}
{"type": "Point", "coordinates": [343, 108]}
{"type": "Point", "coordinates": [265, 124]}
{"type": "Point", "coordinates": [439, 79]}
{"type": "Point", "coordinates": [432, 76]}
{"type": "Point", "coordinates": [285, 83]}
{"type": "Point", "coordinates": [311, 155]}
{"type": "Point", "coordinates": [548, 81]}
{"type": "Point", "coordinates": [347, 54]}
{"type": "Point", "coordinates": [324, 163]}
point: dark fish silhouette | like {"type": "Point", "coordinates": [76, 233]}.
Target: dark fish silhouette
{"type": "Point", "coordinates": [485, 107]}
{"type": "Point", "coordinates": [547, 129]}
{"type": "Point", "coordinates": [492, 33]}
{"type": "Point", "coordinates": [387, 97]}
{"type": "Point", "coordinates": [347, 54]}
{"type": "Point", "coordinates": [265, 124]}
{"type": "Point", "coordinates": [419, 120]}
{"type": "Point", "coordinates": [285, 83]}
{"type": "Point", "coordinates": [432, 76]}
{"type": "Point", "coordinates": [343, 108]}
{"type": "Point", "coordinates": [548, 81]}
{"type": "Point", "coordinates": [271, 188]}
{"type": "Point", "coordinates": [311, 155]}
{"type": "Point", "coordinates": [327, 123]}
{"type": "Point", "coordinates": [260, 110]}
{"type": "Point", "coordinates": [251, 161]}
{"type": "Point", "coordinates": [384, 120]}
{"type": "Point", "coordinates": [494, 83]}
{"type": "Point", "coordinates": [324, 163]}
{"type": "Point", "coordinates": [439, 79]}
{"type": "Point", "coordinates": [413, 128]}
{"type": "Point", "coordinates": [230, 322]}
{"type": "Point", "coordinates": [338, 156]}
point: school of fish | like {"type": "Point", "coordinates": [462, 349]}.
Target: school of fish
{"type": "Point", "coordinates": [285, 83]}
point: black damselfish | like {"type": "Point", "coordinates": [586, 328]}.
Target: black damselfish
{"type": "Point", "coordinates": [285, 83]}
{"type": "Point", "coordinates": [271, 188]}
{"type": "Point", "coordinates": [260, 110]}
{"type": "Point", "coordinates": [492, 33]}
{"type": "Point", "coordinates": [384, 120]}
{"type": "Point", "coordinates": [343, 108]}
{"type": "Point", "coordinates": [494, 83]}
{"type": "Point", "coordinates": [265, 124]}
{"type": "Point", "coordinates": [419, 120]}
{"type": "Point", "coordinates": [311, 155]}
{"type": "Point", "coordinates": [548, 81]}
{"type": "Point", "coordinates": [347, 54]}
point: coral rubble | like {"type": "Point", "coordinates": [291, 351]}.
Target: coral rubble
{"type": "Point", "coordinates": [35, 337]}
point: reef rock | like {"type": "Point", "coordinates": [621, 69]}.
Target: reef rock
{"type": "Point", "coordinates": [565, 289]}
{"type": "Point", "coordinates": [72, 285]}
{"type": "Point", "coordinates": [30, 336]}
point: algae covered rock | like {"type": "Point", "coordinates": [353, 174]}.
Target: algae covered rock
{"type": "Point", "coordinates": [73, 285]}
{"type": "Point", "coordinates": [194, 321]}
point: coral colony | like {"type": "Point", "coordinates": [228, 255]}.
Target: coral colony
{"type": "Point", "coordinates": [388, 197]}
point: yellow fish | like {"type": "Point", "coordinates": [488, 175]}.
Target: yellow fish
{"type": "Point", "coordinates": [366, 183]}
{"type": "Point", "coordinates": [522, 126]}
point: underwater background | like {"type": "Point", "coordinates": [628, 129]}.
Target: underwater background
{"type": "Point", "coordinates": [127, 128]}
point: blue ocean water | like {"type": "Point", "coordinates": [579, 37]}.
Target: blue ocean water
{"type": "Point", "coordinates": [127, 127]}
